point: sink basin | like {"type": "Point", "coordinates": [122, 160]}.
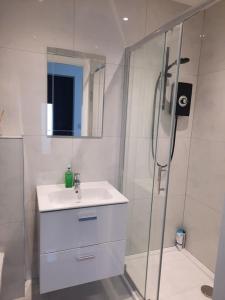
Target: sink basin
{"type": "Point", "coordinates": [57, 197]}
{"type": "Point", "coordinates": [87, 194]}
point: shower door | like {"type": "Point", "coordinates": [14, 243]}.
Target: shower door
{"type": "Point", "coordinates": [148, 146]}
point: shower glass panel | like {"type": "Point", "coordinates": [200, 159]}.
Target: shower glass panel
{"type": "Point", "coordinates": [164, 154]}
{"type": "Point", "coordinates": [148, 144]}
{"type": "Point", "coordinates": [146, 64]}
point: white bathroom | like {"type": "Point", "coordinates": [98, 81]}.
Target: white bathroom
{"type": "Point", "coordinates": [112, 149]}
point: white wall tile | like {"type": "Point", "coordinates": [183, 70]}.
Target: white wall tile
{"type": "Point", "coordinates": [162, 11]}
{"type": "Point", "coordinates": [179, 167]}
{"type": "Point", "coordinates": [96, 159]}
{"type": "Point", "coordinates": [140, 225]}
{"type": "Point", "coordinates": [191, 44]}
{"type": "Point", "coordinates": [129, 167]}
{"type": "Point", "coordinates": [46, 159]}
{"type": "Point", "coordinates": [23, 92]}
{"type": "Point", "coordinates": [209, 121]}
{"type": "Point", "coordinates": [140, 105]}
{"type": "Point", "coordinates": [207, 174]}
{"type": "Point", "coordinates": [11, 123]}
{"type": "Point", "coordinates": [12, 244]}
{"type": "Point", "coordinates": [135, 10]}
{"type": "Point", "coordinates": [113, 100]}
{"type": "Point", "coordinates": [212, 54]}
{"type": "Point", "coordinates": [33, 25]}
{"type": "Point", "coordinates": [144, 160]}
{"type": "Point", "coordinates": [12, 217]}
{"type": "Point", "coordinates": [11, 183]}
{"type": "Point", "coordinates": [202, 225]}
{"type": "Point", "coordinates": [99, 32]}
{"type": "Point", "coordinates": [139, 169]}
{"type": "Point", "coordinates": [174, 218]}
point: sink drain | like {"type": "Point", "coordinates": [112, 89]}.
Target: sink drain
{"type": "Point", "coordinates": [207, 291]}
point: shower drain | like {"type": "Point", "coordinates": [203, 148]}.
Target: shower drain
{"type": "Point", "coordinates": [207, 291]}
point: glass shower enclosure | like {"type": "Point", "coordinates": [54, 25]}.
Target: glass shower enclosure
{"type": "Point", "coordinates": [152, 76]}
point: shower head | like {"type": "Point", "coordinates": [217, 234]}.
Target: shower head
{"type": "Point", "coordinates": [184, 60]}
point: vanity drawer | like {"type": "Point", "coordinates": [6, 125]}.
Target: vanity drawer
{"type": "Point", "coordinates": [73, 228]}
{"type": "Point", "coordinates": [72, 267]}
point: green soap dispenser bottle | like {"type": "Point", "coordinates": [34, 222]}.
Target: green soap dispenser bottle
{"type": "Point", "coordinates": [69, 178]}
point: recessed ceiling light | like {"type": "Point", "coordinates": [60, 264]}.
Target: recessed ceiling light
{"type": "Point", "coordinates": [125, 19]}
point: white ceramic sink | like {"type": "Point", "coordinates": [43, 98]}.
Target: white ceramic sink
{"type": "Point", "coordinates": [57, 197]}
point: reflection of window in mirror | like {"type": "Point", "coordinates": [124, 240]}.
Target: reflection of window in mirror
{"type": "Point", "coordinates": [65, 82]}
{"type": "Point", "coordinates": [75, 94]}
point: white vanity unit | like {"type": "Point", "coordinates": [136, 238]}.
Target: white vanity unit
{"type": "Point", "coordinates": [81, 240]}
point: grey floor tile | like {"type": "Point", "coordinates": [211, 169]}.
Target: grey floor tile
{"type": "Point", "coordinates": [109, 289]}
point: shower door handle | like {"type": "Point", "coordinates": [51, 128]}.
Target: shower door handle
{"type": "Point", "coordinates": [161, 169]}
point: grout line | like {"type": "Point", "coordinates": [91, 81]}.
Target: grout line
{"type": "Point", "coordinates": [15, 137]}
{"type": "Point", "coordinates": [12, 222]}
{"type": "Point", "coordinates": [23, 50]}
{"type": "Point", "coordinates": [196, 199]}
{"type": "Point", "coordinates": [222, 70]}
{"type": "Point", "coordinates": [212, 140]}
{"type": "Point", "coordinates": [113, 63]}
{"type": "Point", "coordinates": [153, 252]}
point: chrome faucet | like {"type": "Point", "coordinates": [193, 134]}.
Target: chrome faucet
{"type": "Point", "coordinates": [76, 182]}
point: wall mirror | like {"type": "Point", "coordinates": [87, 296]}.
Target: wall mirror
{"type": "Point", "coordinates": [75, 96]}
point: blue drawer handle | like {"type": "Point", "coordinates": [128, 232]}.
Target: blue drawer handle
{"type": "Point", "coordinates": [87, 219]}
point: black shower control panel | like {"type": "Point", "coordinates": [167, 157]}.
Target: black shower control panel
{"type": "Point", "coordinates": [184, 95]}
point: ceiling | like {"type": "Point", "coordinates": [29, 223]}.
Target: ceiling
{"type": "Point", "coordinates": [189, 2]}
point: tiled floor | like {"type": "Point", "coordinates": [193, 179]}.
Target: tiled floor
{"type": "Point", "coordinates": [109, 289]}
{"type": "Point", "coordinates": [182, 275]}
